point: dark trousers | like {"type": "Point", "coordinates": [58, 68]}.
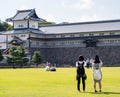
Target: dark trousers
{"type": "Point", "coordinates": [78, 83]}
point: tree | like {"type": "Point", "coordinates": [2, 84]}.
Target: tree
{"type": "Point", "coordinates": [36, 58]}
{"type": "Point", "coordinates": [17, 56]}
{"type": "Point", "coordinates": [1, 56]}
{"type": "Point", "coordinates": [10, 61]}
{"type": "Point", "coordinates": [46, 23]}
{"type": "Point", "coordinates": [22, 53]}
{"type": "Point", "coordinates": [5, 26]}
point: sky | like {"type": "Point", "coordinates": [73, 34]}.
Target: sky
{"type": "Point", "coordinates": [59, 11]}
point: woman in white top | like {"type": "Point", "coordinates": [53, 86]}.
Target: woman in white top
{"type": "Point", "coordinates": [96, 64]}
{"type": "Point", "coordinates": [80, 64]}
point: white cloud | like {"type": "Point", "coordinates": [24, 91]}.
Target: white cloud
{"type": "Point", "coordinates": [79, 4]}
{"type": "Point", "coordinates": [86, 18]}
{"type": "Point", "coordinates": [50, 17]}
{"type": "Point", "coordinates": [89, 18]}
{"type": "Point", "coordinates": [22, 7]}
{"type": "Point", "coordinates": [63, 3]}
{"type": "Point", "coordinates": [83, 18]}
{"type": "Point", "coordinates": [83, 4]}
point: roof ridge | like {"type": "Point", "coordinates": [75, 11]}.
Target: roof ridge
{"type": "Point", "coordinates": [31, 12]}
{"type": "Point", "coordinates": [84, 22]}
{"type": "Point", "coordinates": [25, 10]}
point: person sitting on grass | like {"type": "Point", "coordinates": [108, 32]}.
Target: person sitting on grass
{"type": "Point", "coordinates": [47, 68]}
{"type": "Point", "coordinates": [53, 68]}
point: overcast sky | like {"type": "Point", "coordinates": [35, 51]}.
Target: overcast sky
{"type": "Point", "coordinates": [64, 10]}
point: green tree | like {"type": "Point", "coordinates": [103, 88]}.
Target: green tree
{"type": "Point", "coordinates": [46, 23]}
{"type": "Point", "coordinates": [10, 61]}
{"type": "Point", "coordinates": [22, 54]}
{"type": "Point", "coordinates": [1, 56]}
{"type": "Point", "coordinates": [17, 56]}
{"type": "Point", "coordinates": [36, 58]}
{"type": "Point", "coordinates": [5, 26]}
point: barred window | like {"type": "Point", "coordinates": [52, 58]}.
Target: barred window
{"type": "Point", "coordinates": [72, 35]}
{"type": "Point", "coordinates": [91, 34]}
{"type": "Point", "coordinates": [101, 34]}
{"type": "Point", "coordinates": [54, 36]}
{"type": "Point", "coordinates": [21, 26]}
{"type": "Point", "coordinates": [62, 35]}
{"type": "Point", "coordinates": [33, 26]}
{"type": "Point", "coordinates": [81, 34]}
{"type": "Point", "coordinates": [112, 33]}
{"type": "Point", "coordinates": [23, 35]}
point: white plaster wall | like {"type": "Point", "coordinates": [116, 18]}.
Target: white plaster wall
{"type": "Point", "coordinates": [33, 24]}
{"type": "Point", "coordinates": [2, 45]}
{"type": "Point", "coordinates": [2, 38]}
{"type": "Point", "coordinates": [23, 22]}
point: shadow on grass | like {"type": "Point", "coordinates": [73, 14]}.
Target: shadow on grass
{"type": "Point", "coordinates": [104, 92]}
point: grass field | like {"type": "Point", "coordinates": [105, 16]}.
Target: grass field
{"type": "Point", "coordinates": [36, 82]}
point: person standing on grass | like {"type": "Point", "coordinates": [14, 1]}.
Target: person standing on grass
{"type": "Point", "coordinates": [80, 64]}
{"type": "Point", "coordinates": [97, 74]}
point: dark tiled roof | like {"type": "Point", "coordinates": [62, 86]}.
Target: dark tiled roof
{"type": "Point", "coordinates": [23, 31]}
{"type": "Point", "coordinates": [16, 41]}
{"type": "Point", "coordinates": [81, 23]}
{"type": "Point", "coordinates": [25, 15]}
{"type": "Point", "coordinates": [82, 27]}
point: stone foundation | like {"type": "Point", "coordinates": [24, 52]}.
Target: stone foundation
{"type": "Point", "coordinates": [68, 56]}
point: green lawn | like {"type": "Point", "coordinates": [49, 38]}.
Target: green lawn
{"type": "Point", "coordinates": [36, 82]}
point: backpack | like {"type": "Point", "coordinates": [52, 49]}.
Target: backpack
{"type": "Point", "coordinates": [80, 69]}
{"type": "Point", "coordinates": [97, 74]}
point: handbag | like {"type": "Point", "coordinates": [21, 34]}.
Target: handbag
{"type": "Point", "coordinates": [85, 76]}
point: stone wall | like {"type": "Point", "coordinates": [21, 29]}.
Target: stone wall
{"type": "Point", "coordinates": [68, 56]}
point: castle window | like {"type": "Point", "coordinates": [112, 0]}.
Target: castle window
{"type": "Point", "coordinates": [91, 34]}
{"type": "Point", "coordinates": [112, 33]}
{"type": "Point", "coordinates": [22, 35]}
{"type": "Point", "coordinates": [33, 26]}
{"type": "Point", "coordinates": [54, 36]}
{"type": "Point", "coordinates": [72, 35]}
{"type": "Point", "coordinates": [71, 42]}
{"type": "Point", "coordinates": [81, 34]}
{"type": "Point", "coordinates": [116, 41]}
{"type": "Point", "coordinates": [62, 35]}
{"type": "Point", "coordinates": [101, 34]}
{"type": "Point", "coordinates": [20, 26]}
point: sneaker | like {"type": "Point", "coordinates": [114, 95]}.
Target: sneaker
{"type": "Point", "coordinates": [100, 91]}
{"type": "Point", "coordinates": [96, 91]}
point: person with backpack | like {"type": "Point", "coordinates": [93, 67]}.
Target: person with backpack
{"type": "Point", "coordinates": [80, 64]}
{"type": "Point", "coordinates": [97, 74]}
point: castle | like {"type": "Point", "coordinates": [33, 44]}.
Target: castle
{"type": "Point", "coordinates": [63, 43]}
